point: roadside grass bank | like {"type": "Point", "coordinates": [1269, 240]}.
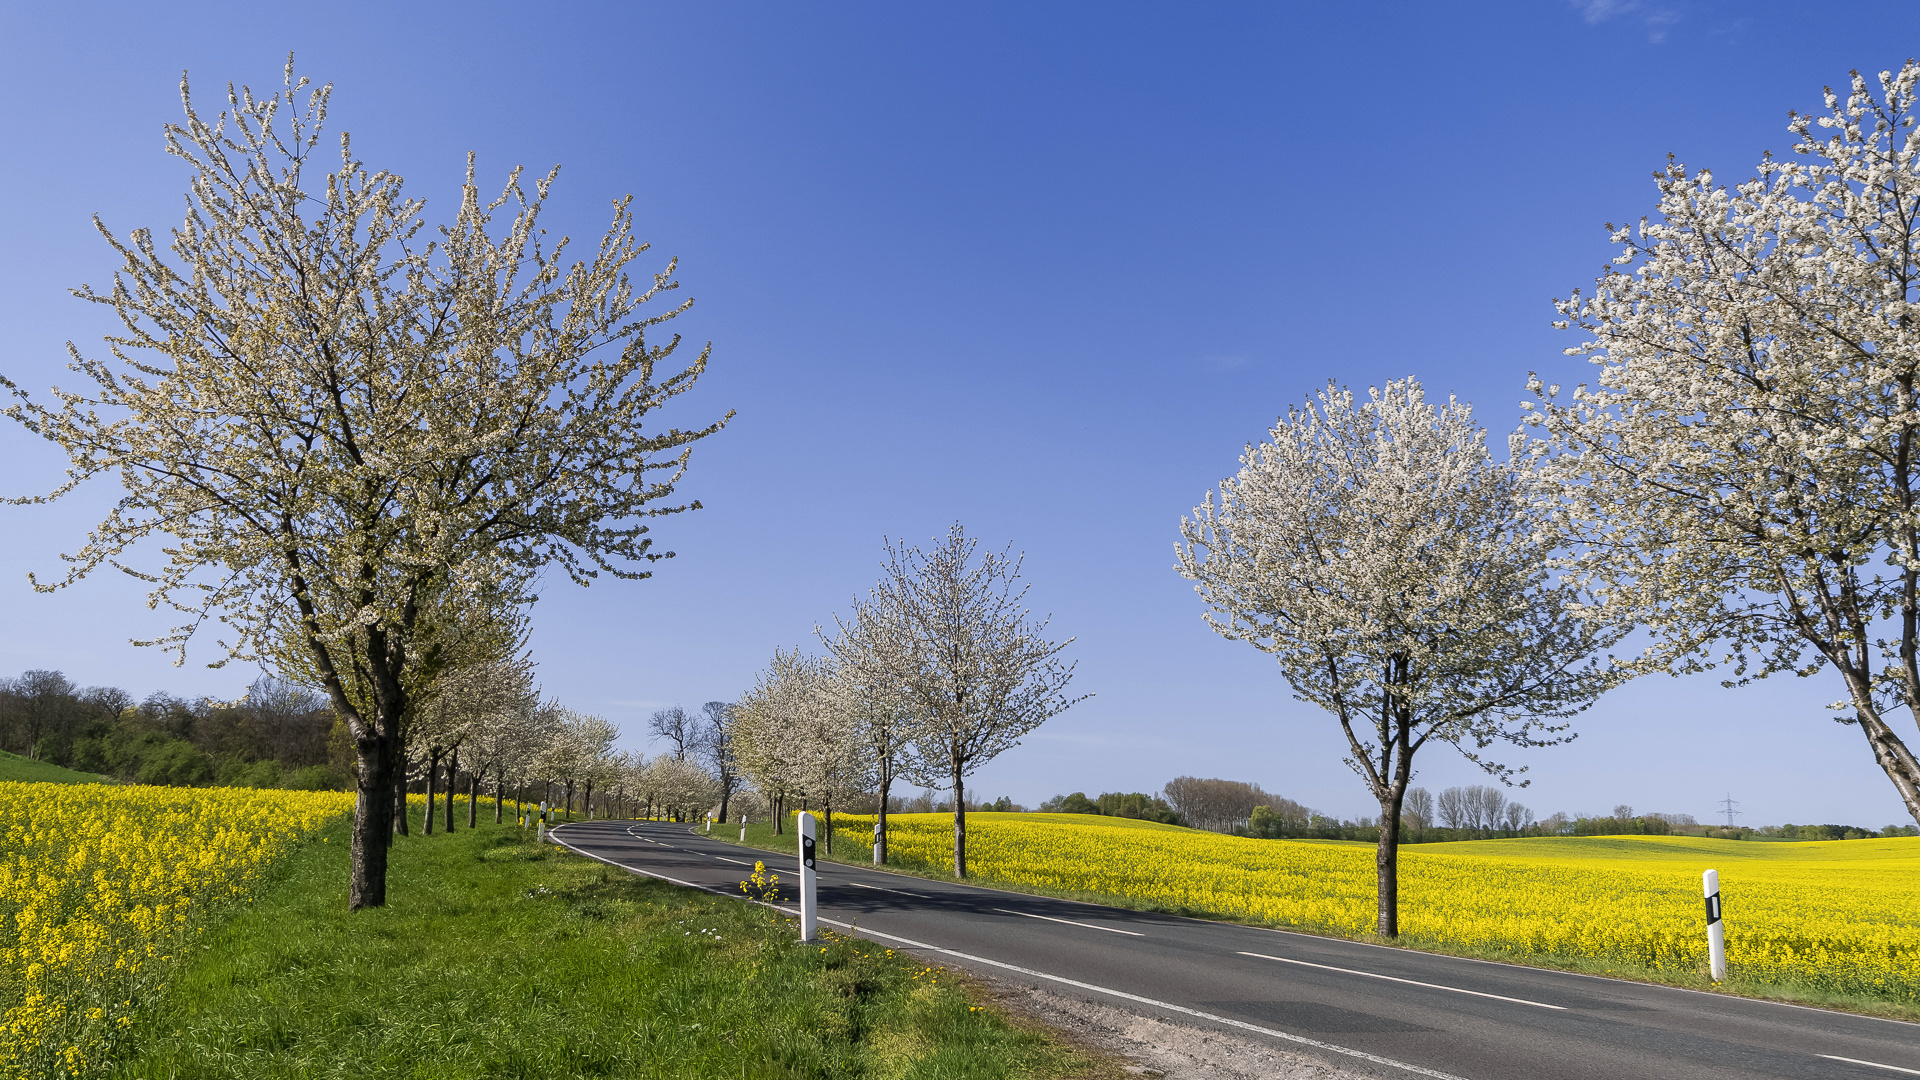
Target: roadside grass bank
{"type": "Point", "coordinates": [17, 769]}
{"type": "Point", "coordinates": [500, 957]}
{"type": "Point", "coordinates": [1621, 907]}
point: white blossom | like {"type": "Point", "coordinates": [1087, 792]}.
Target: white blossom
{"type": "Point", "coordinates": [334, 416]}
{"type": "Point", "coordinates": [952, 637]}
{"type": "Point", "coordinates": [1391, 567]}
{"type": "Point", "coordinates": [1740, 477]}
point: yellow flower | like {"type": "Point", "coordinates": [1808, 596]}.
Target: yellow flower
{"type": "Point", "coordinates": [115, 891]}
{"type": "Point", "coordinates": [1843, 916]}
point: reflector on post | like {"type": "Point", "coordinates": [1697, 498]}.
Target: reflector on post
{"type": "Point", "coordinates": [1716, 931]}
{"type": "Point", "coordinates": [807, 909]}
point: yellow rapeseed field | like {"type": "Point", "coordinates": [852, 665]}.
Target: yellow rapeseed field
{"type": "Point", "coordinates": [99, 887]}
{"type": "Point", "coordinates": [1842, 916]}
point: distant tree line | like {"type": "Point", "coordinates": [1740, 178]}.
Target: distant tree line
{"type": "Point", "coordinates": [1806, 832]}
{"type": "Point", "coordinates": [1471, 812]}
{"type": "Point", "coordinates": [931, 802]}
{"type": "Point", "coordinates": [277, 736]}
{"type": "Point", "coordinates": [1126, 804]}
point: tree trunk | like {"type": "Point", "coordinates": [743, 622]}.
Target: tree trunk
{"type": "Point", "coordinates": [959, 825]}
{"type": "Point", "coordinates": [779, 818]}
{"type": "Point", "coordinates": [726, 794]}
{"type": "Point", "coordinates": [1892, 756]}
{"type": "Point", "coordinates": [433, 778]}
{"type": "Point", "coordinates": [372, 826]}
{"type": "Point", "coordinates": [569, 800]}
{"type": "Point", "coordinates": [828, 806]}
{"type": "Point", "coordinates": [1386, 862]}
{"type": "Point", "coordinates": [499, 791]}
{"type": "Point", "coordinates": [453, 784]}
{"type": "Point", "coordinates": [400, 789]}
{"type": "Point", "coordinates": [586, 801]}
{"type": "Point", "coordinates": [1397, 772]}
{"type": "Point", "coordinates": [880, 838]}
{"type": "Point", "coordinates": [473, 800]}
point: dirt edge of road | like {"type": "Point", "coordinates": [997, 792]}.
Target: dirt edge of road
{"type": "Point", "coordinates": [1152, 1047]}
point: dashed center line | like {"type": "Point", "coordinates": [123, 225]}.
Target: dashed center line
{"type": "Point", "coordinates": [876, 888]}
{"type": "Point", "coordinates": [1070, 922]}
{"type": "Point", "coordinates": [735, 862]}
{"type": "Point", "coordinates": [1409, 982]}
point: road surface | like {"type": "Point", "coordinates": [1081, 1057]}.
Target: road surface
{"type": "Point", "coordinates": [1365, 1008]}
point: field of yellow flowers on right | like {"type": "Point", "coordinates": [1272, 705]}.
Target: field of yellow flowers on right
{"type": "Point", "coordinates": [1841, 916]}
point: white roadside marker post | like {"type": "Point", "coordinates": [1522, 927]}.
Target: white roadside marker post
{"type": "Point", "coordinates": [878, 842]}
{"type": "Point", "coordinates": [540, 830]}
{"type": "Point", "coordinates": [743, 828]}
{"type": "Point", "coordinates": [709, 822]}
{"type": "Point", "coordinates": [1716, 931]}
{"type": "Point", "coordinates": [807, 911]}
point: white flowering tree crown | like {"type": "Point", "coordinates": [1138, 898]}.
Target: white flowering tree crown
{"type": "Point", "coordinates": [1740, 476]}
{"type": "Point", "coordinates": [328, 388]}
{"type": "Point", "coordinates": [1392, 567]}
{"type": "Point", "coordinates": [954, 642]}
{"type": "Point", "coordinates": [337, 418]}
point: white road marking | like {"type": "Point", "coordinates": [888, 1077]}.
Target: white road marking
{"type": "Point", "coordinates": [1302, 1040]}
{"type": "Point", "coordinates": [1070, 922]}
{"type": "Point", "coordinates": [735, 862]}
{"type": "Point", "coordinates": [1169, 1006]}
{"type": "Point", "coordinates": [877, 888]}
{"type": "Point", "coordinates": [1409, 982]}
{"type": "Point", "coordinates": [1875, 1064]}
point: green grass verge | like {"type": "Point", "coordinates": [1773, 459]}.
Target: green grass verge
{"type": "Point", "coordinates": [857, 851]}
{"type": "Point", "coordinates": [498, 957]}
{"type": "Point", "coordinates": [24, 770]}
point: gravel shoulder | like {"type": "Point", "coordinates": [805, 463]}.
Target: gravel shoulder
{"type": "Point", "coordinates": [1154, 1047]}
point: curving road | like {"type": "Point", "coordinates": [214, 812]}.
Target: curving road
{"type": "Point", "coordinates": [1364, 1008]}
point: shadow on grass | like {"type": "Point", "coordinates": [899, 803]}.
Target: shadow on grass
{"type": "Point", "coordinates": [496, 957]}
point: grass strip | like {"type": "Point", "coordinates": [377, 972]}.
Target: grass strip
{"type": "Point", "coordinates": [498, 957]}
{"type": "Point", "coordinates": [13, 767]}
{"type": "Point", "coordinates": [854, 850]}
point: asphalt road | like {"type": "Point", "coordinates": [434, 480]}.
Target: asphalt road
{"type": "Point", "coordinates": [1368, 1009]}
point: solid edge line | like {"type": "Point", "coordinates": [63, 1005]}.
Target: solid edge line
{"type": "Point", "coordinates": [1169, 1006]}
{"type": "Point", "coordinates": [1875, 1064]}
{"type": "Point", "coordinates": [1409, 982]}
{"type": "Point", "coordinates": [1510, 965]}
{"type": "Point", "coordinates": [1286, 1036]}
{"type": "Point", "coordinates": [1070, 922]}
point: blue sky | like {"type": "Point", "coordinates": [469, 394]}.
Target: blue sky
{"type": "Point", "coordinates": [1043, 269]}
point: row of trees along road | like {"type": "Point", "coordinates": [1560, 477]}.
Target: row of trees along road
{"type": "Point", "coordinates": [518, 746]}
{"type": "Point", "coordinates": [1740, 481]}
{"type": "Point", "coordinates": [935, 672]}
{"type": "Point", "coordinates": [362, 439]}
